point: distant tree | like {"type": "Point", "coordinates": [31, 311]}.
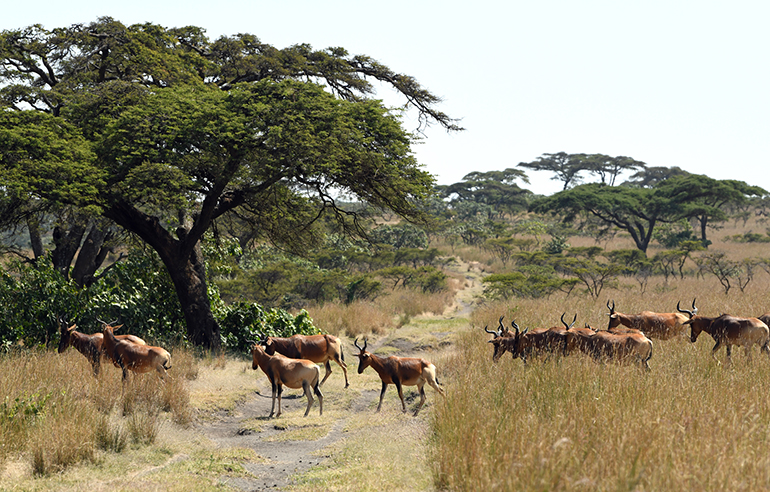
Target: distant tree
{"type": "Point", "coordinates": [495, 189]}
{"type": "Point", "coordinates": [608, 168]}
{"type": "Point", "coordinates": [705, 199]}
{"type": "Point", "coordinates": [634, 210]}
{"type": "Point", "coordinates": [650, 177]}
{"type": "Point", "coordinates": [566, 167]}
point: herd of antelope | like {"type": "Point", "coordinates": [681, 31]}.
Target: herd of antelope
{"type": "Point", "coordinates": [289, 362]}
{"type": "Point", "coordinates": [628, 337]}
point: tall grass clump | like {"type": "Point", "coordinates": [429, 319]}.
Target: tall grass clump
{"type": "Point", "coordinates": [567, 423]}
{"type": "Point", "coordinates": [54, 412]}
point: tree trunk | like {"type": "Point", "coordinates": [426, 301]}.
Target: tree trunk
{"type": "Point", "coordinates": [33, 226]}
{"type": "Point", "coordinates": [189, 277]}
{"type": "Point", "coordinates": [67, 241]}
{"type": "Point", "coordinates": [92, 255]}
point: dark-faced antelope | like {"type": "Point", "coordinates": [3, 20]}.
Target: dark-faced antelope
{"type": "Point", "coordinates": [316, 348]}
{"type": "Point", "coordinates": [731, 330]}
{"type": "Point", "coordinates": [91, 346]}
{"type": "Point", "coordinates": [293, 373]}
{"type": "Point", "coordinates": [401, 371]}
{"type": "Point", "coordinates": [136, 358]}
{"type": "Point", "coordinates": [502, 332]}
{"type": "Point", "coordinates": [662, 326]}
{"type": "Point", "coordinates": [528, 343]}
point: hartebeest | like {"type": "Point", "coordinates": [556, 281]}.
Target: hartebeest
{"type": "Point", "coordinates": [662, 326]}
{"type": "Point", "coordinates": [132, 357]}
{"type": "Point", "coordinates": [622, 347]}
{"type": "Point", "coordinates": [580, 339]}
{"type": "Point", "coordinates": [731, 330]}
{"type": "Point", "coordinates": [91, 346]}
{"type": "Point", "coordinates": [316, 348]}
{"type": "Point", "coordinates": [293, 373]}
{"type": "Point", "coordinates": [401, 371]}
{"type": "Point", "coordinates": [531, 343]}
{"type": "Point", "coordinates": [502, 332]}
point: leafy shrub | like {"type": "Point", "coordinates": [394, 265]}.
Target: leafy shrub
{"type": "Point", "coordinates": [243, 322]}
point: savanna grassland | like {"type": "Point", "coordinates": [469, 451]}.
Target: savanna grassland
{"type": "Point", "coordinates": [560, 423]}
{"type": "Point", "coordinates": [691, 423]}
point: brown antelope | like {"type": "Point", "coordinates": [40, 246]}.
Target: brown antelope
{"type": "Point", "coordinates": [401, 371]}
{"type": "Point", "coordinates": [663, 326]}
{"type": "Point", "coordinates": [503, 332]}
{"type": "Point", "coordinates": [293, 373]}
{"type": "Point", "coordinates": [731, 330]}
{"type": "Point", "coordinates": [622, 347]}
{"type": "Point", "coordinates": [136, 358]}
{"type": "Point", "coordinates": [316, 348]}
{"type": "Point", "coordinates": [579, 339]}
{"type": "Point", "coordinates": [91, 346]}
{"type": "Point", "coordinates": [531, 343]}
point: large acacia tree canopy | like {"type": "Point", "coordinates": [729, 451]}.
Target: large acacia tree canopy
{"type": "Point", "coordinates": [179, 132]}
{"type": "Point", "coordinates": [255, 142]}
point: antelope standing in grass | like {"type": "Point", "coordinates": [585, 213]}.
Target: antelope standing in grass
{"type": "Point", "coordinates": [622, 347]}
{"type": "Point", "coordinates": [91, 346]}
{"type": "Point", "coordinates": [316, 348]}
{"type": "Point", "coordinates": [293, 373]}
{"type": "Point", "coordinates": [132, 357]}
{"type": "Point", "coordinates": [731, 330]}
{"type": "Point", "coordinates": [401, 371]}
{"type": "Point", "coordinates": [661, 326]}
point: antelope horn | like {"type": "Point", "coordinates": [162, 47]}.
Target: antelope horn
{"type": "Point", "coordinates": [691, 313]}
{"type": "Point", "coordinates": [356, 344]}
{"type": "Point", "coordinates": [491, 332]}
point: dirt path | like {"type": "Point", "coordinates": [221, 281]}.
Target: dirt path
{"type": "Point", "coordinates": [286, 459]}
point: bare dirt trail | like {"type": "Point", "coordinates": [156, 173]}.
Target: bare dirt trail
{"type": "Point", "coordinates": [286, 459]}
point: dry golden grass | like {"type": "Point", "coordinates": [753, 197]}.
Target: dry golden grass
{"type": "Point", "coordinates": [573, 424]}
{"type": "Point", "coordinates": [380, 316]}
{"type": "Point", "coordinates": [55, 413]}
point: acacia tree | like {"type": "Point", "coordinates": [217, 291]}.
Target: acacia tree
{"type": "Point", "coordinates": [705, 199]}
{"type": "Point", "coordinates": [634, 210]}
{"type": "Point", "coordinates": [188, 131]}
{"type": "Point", "coordinates": [496, 189]}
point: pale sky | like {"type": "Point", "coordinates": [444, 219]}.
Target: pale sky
{"type": "Point", "coordinates": [670, 83]}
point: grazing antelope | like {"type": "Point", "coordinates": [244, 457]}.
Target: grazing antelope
{"type": "Point", "coordinates": [663, 326]}
{"type": "Point", "coordinates": [503, 332]}
{"type": "Point", "coordinates": [580, 339]}
{"type": "Point", "coordinates": [316, 348]}
{"type": "Point", "coordinates": [133, 357]}
{"type": "Point", "coordinates": [91, 346]}
{"type": "Point", "coordinates": [294, 373]}
{"type": "Point", "coordinates": [401, 371]}
{"type": "Point", "coordinates": [731, 330]}
{"type": "Point", "coordinates": [622, 347]}
{"type": "Point", "coordinates": [531, 343]}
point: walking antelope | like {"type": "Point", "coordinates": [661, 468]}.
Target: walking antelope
{"type": "Point", "coordinates": [401, 371]}
{"type": "Point", "coordinates": [531, 343]}
{"type": "Point", "coordinates": [731, 330]}
{"type": "Point", "coordinates": [91, 346]}
{"type": "Point", "coordinates": [316, 348]}
{"type": "Point", "coordinates": [132, 357]}
{"type": "Point", "coordinates": [663, 326]}
{"type": "Point", "coordinates": [293, 373]}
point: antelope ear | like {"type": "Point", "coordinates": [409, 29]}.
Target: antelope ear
{"type": "Point", "coordinates": [116, 327]}
{"type": "Point", "coordinates": [72, 328]}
